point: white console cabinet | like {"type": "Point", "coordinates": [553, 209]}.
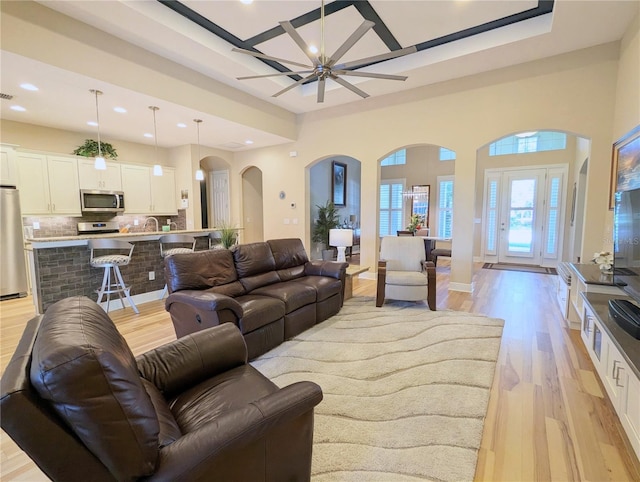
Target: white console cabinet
{"type": "Point", "coordinates": [586, 278]}
{"type": "Point", "coordinates": [616, 357]}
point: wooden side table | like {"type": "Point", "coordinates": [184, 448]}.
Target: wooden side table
{"type": "Point", "coordinates": [352, 271]}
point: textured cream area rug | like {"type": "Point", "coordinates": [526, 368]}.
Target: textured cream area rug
{"type": "Point", "coordinates": [405, 390]}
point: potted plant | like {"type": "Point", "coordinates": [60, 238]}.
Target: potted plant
{"type": "Point", "coordinates": [90, 149]}
{"type": "Point", "coordinates": [327, 219]}
{"type": "Point", "coordinates": [228, 235]}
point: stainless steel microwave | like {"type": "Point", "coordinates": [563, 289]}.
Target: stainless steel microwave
{"type": "Point", "coordinates": [96, 201]}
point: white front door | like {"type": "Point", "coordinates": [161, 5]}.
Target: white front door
{"type": "Point", "coordinates": [521, 217]}
{"type": "Point", "coordinates": [524, 215]}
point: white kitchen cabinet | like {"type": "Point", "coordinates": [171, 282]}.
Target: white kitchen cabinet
{"type": "Point", "coordinates": [8, 173]}
{"type": "Point", "coordinates": [163, 192]}
{"type": "Point", "coordinates": [48, 184]}
{"type": "Point", "coordinates": [145, 193]}
{"type": "Point", "coordinates": [136, 184]}
{"type": "Point", "coordinates": [92, 178]}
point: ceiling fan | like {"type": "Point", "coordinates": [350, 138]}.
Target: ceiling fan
{"type": "Point", "coordinates": [324, 67]}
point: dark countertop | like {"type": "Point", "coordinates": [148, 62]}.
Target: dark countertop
{"type": "Point", "coordinates": [629, 347]}
{"type": "Point", "coordinates": [590, 273]}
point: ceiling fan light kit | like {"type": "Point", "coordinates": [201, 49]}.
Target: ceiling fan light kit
{"type": "Point", "coordinates": [324, 67]}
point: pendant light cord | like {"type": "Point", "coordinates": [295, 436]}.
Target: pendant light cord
{"type": "Point", "coordinates": [97, 92]}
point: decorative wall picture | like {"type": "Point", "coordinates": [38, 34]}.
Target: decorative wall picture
{"type": "Point", "coordinates": [339, 183]}
{"type": "Point", "coordinates": [625, 164]}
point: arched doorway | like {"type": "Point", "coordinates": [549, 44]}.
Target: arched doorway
{"type": "Point", "coordinates": [523, 201]}
{"type": "Point", "coordinates": [346, 194]}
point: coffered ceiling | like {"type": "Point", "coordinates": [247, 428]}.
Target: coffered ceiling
{"type": "Point", "coordinates": [454, 38]}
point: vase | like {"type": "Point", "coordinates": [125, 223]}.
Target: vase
{"type": "Point", "coordinates": [606, 269]}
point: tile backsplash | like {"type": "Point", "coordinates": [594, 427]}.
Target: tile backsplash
{"type": "Point", "coordinates": [54, 226]}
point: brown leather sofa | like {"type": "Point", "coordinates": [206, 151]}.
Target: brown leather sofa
{"type": "Point", "coordinates": [76, 400]}
{"type": "Point", "coordinates": [270, 290]}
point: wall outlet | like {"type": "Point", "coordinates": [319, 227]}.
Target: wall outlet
{"type": "Point", "coordinates": [136, 222]}
{"type": "Point", "coordinates": [286, 221]}
{"type": "Point", "coordinates": [36, 225]}
{"type": "Point", "coordinates": [152, 275]}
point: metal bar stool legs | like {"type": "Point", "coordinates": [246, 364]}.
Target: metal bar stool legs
{"type": "Point", "coordinates": [112, 281]}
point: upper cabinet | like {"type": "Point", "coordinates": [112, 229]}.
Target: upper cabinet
{"type": "Point", "coordinates": [8, 173]}
{"type": "Point", "coordinates": [48, 184]}
{"type": "Point", "coordinates": [91, 178]}
{"type": "Point", "coordinates": [145, 193]}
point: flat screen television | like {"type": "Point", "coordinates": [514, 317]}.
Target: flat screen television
{"type": "Point", "coordinates": [626, 257]}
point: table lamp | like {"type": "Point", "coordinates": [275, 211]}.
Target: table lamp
{"type": "Point", "coordinates": [341, 238]}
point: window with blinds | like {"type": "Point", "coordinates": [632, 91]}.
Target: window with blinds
{"type": "Point", "coordinates": [395, 159]}
{"type": "Point", "coordinates": [391, 207]}
{"type": "Point", "coordinates": [445, 206]}
{"type": "Point", "coordinates": [529, 142]}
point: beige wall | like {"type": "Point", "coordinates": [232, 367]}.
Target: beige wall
{"type": "Point", "coordinates": [252, 197]}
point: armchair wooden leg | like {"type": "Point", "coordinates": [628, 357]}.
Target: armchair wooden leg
{"type": "Point", "coordinates": [382, 277]}
{"type": "Point", "coordinates": [431, 285]}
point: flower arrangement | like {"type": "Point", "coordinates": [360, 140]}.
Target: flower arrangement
{"type": "Point", "coordinates": [414, 225]}
{"type": "Point", "coordinates": [604, 259]}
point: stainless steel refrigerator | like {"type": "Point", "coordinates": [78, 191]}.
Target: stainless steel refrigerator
{"type": "Point", "coordinates": [13, 274]}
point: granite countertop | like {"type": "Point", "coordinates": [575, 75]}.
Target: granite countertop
{"type": "Point", "coordinates": [590, 273]}
{"type": "Point", "coordinates": [59, 241]}
{"type": "Point", "coordinates": [629, 347]}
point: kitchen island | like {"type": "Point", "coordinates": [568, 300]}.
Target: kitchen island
{"type": "Point", "coordinates": [60, 266]}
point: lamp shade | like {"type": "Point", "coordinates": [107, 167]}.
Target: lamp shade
{"type": "Point", "coordinates": [341, 237]}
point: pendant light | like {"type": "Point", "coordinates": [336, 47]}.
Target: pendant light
{"type": "Point", "coordinates": [157, 168]}
{"type": "Point", "coordinates": [199, 172]}
{"type": "Point", "coordinates": [100, 164]}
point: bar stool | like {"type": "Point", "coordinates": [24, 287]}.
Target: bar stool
{"type": "Point", "coordinates": [111, 264]}
{"type": "Point", "coordinates": [215, 240]}
{"type": "Point", "coordinates": [166, 249]}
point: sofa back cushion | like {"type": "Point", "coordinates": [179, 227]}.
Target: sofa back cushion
{"type": "Point", "coordinates": [84, 368]}
{"type": "Point", "coordinates": [203, 270]}
{"type": "Point", "coordinates": [290, 257]}
{"type": "Point", "coordinates": [255, 265]}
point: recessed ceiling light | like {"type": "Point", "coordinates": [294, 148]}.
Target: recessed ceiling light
{"type": "Point", "coordinates": [247, 2]}
{"type": "Point", "coordinates": [150, 136]}
{"type": "Point", "coordinates": [92, 123]}
{"type": "Point", "coordinates": [18, 108]}
{"type": "Point", "coordinates": [30, 87]}
{"type": "Point", "coordinates": [182, 125]}
{"type": "Point", "coordinates": [313, 49]}
{"type": "Point", "coordinates": [121, 110]}
{"type": "Point", "coordinates": [248, 142]}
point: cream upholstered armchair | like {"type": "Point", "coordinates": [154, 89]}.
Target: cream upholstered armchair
{"type": "Point", "coordinates": [403, 272]}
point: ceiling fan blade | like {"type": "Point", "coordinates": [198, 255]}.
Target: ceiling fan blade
{"type": "Point", "coordinates": [273, 75]}
{"type": "Point", "coordinates": [321, 87]}
{"type": "Point", "coordinates": [301, 81]}
{"type": "Point", "coordinates": [377, 58]}
{"type": "Point", "coordinates": [350, 86]}
{"type": "Point", "coordinates": [371, 74]}
{"type": "Point", "coordinates": [293, 33]}
{"type": "Point", "coordinates": [351, 41]}
{"type": "Point", "coordinates": [268, 57]}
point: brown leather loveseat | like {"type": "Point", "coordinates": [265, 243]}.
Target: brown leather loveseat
{"type": "Point", "coordinates": [270, 290]}
{"type": "Point", "coordinates": [76, 400]}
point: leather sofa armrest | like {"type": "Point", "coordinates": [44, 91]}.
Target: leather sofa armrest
{"type": "Point", "coordinates": [332, 269]}
{"type": "Point", "coordinates": [382, 279]}
{"type": "Point", "coordinates": [192, 456]}
{"type": "Point", "coordinates": [193, 358]}
{"type": "Point", "coordinates": [205, 301]}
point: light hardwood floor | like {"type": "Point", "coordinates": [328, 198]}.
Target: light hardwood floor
{"type": "Point", "coordinates": [548, 418]}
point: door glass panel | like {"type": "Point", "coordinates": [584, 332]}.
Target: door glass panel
{"type": "Point", "coordinates": [521, 207]}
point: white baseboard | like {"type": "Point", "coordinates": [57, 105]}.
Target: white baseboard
{"type": "Point", "coordinates": [140, 299]}
{"type": "Point", "coordinates": [478, 259]}
{"type": "Point", "coordinates": [368, 275]}
{"type": "Point", "coordinates": [464, 287]}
